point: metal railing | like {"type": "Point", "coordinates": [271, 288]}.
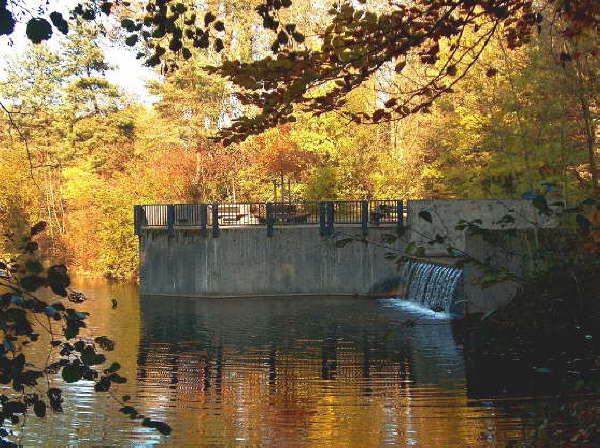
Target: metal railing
{"type": "Point", "coordinates": [325, 214]}
{"type": "Point", "coordinates": [347, 212]}
{"type": "Point", "coordinates": [385, 211]}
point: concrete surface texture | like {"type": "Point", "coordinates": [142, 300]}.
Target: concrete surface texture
{"type": "Point", "coordinates": [446, 214]}
{"type": "Point", "coordinates": [246, 262]}
{"type": "Point", "coordinates": [298, 260]}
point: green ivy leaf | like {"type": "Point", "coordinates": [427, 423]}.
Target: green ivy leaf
{"type": "Point", "coordinates": [58, 280]}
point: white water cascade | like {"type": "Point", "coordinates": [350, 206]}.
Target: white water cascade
{"type": "Point", "coordinates": [430, 285]}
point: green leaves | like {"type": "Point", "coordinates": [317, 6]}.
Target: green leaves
{"type": "Point", "coordinates": [129, 25]}
{"type": "Point", "coordinates": [219, 26]}
{"type": "Point", "coordinates": [105, 343]}
{"type": "Point", "coordinates": [38, 30]}
{"type": "Point", "coordinates": [113, 368]}
{"type": "Point", "coordinates": [55, 399]}
{"type": "Point", "coordinates": [131, 40]}
{"type": "Point", "coordinates": [163, 428]}
{"type": "Point", "coordinates": [89, 357]}
{"type": "Point", "coordinates": [38, 228]}
{"type": "Point", "coordinates": [71, 373]}
{"type": "Point", "coordinates": [130, 411]}
{"type": "Point", "coordinates": [34, 267]}
{"type": "Point", "coordinates": [7, 22]}
{"type": "Point", "coordinates": [58, 280]}
{"type": "Point", "coordinates": [39, 408]}
{"type": "Point", "coordinates": [209, 18]}
{"type": "Point", "coordinates": [59, 22]}
{"type": "Point", "coordinates": [175, 44]}
{"type": "Point", "coordinates": [105, 7]}
{"type": "Point", "coordinates": [32, 283]}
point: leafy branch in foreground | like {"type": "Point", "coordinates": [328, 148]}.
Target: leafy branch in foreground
{"type": "Point", "coordinates": [71, 357]}
{"type": "Point", "coordinates": [317, 72]}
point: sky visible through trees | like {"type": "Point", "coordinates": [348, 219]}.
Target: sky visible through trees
{"type": "Point", "coordinates": [447, 116]}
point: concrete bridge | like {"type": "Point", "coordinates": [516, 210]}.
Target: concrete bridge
{"type": "Point", "coordinates": [313, 248]}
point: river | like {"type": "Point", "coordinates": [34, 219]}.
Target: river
{"type": "Point", "coordinates": [279, 372]}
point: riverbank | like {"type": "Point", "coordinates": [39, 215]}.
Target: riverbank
{"type": "Point", "coordinates": [546, 341]}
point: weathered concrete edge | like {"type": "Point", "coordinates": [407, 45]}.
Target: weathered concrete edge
{"type": "Point", "coordinates": [279, 296]}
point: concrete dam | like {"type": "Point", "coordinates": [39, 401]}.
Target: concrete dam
{"type": "Point", "coordinates": [326, 248]}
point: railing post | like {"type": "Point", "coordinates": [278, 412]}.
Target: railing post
{"type": "Point", "coordinates": [270, 219]}
{"type": "Point", "coordinates": [400, 215]}
{"type": "Point", "coordinates": [322, 218]}
{"type": "Point", "coordinates": [330, 217]}
{"type": "Point", "coordinates": [364, 216]}
{"type": "Point", "coordinates": [137, 221]}
{"type": "Point", "coordinates": [215, 220]}
{"type": "Point", "coordinates": [203, 216]}
{"type": "Point", "coordinates": [170, 219]}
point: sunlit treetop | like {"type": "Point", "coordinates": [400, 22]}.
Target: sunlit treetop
{"type": "Point", "coordinates": [357, 43]}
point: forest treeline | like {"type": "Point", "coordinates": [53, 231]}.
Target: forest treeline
{"type": "Point", "coordinates": [78, 152]}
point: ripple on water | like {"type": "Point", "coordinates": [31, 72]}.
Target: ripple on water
{"type": "Point", "coordinates": [287, 372]}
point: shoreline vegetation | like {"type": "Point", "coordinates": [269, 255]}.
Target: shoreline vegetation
{"type": "Point", "coordinates": [96, 151]}
{"type": "Point", "coordinates": [546, 341]}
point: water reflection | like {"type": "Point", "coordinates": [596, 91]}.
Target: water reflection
{"type": "Point", "coordinates": [295, 372]}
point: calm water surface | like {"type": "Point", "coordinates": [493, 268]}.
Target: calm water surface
{"type": "Point", "coordinates": [279, 372]}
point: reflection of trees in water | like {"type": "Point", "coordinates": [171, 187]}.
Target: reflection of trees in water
{"type": "Point", "coordinates": [260, 372]}
{"type": "Point", "coordinates": [192, 334]}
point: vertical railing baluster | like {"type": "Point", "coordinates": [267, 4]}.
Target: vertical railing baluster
{"type": "Point", "coordinates": [400, 215]}
{"type": "Point", "coordinates": [170, 219]}
{"type": "Point", "coordinates": [330, 217]}
{"type": "Point", "coordinates": [322, 218]}
{"type": "Point", "coordinates": [203, 216]}
{"type": "Point", "coordinates": [137, 219]}
{"type": "Point", "coordinates": [215, 220]}
{"type": "Point", "coordinates": [364, 216]}
{"type": "Point", "coordinates": [270, 218]}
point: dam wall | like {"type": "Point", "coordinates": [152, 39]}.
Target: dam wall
{"type": "Point", "coordinates": [345, 248]}
{"type": "Point", "coordinates": [245, 262]}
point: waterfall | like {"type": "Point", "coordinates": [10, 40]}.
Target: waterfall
{"type": "Point", "coordinates": [432, 286]}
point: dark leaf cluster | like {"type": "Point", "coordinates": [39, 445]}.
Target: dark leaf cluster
{"type": "Point", "coordinates": [74, 357]}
